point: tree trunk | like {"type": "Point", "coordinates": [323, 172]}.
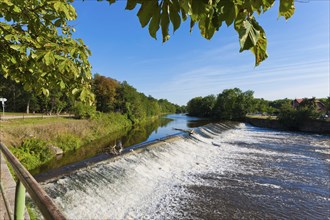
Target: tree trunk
{"type": "Point", "coordinates": [28, 107]}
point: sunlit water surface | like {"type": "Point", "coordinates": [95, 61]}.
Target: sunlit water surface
{"type": "Point", "coordinates": [222, 171]}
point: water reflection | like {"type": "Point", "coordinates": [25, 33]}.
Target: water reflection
{"type": "Point", "coordinates": [158, 128]}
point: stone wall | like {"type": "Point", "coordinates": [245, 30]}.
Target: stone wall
{"type": "Point", "coordinates": [313, 126]}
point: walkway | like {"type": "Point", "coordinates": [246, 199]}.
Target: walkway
{"type": "Point", "coordinates": [23, 116]}
{"type": "Point", "coordinates": [8, 185]}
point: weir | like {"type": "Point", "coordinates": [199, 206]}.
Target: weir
{"type": "Point", "coordinates": [221, 171]}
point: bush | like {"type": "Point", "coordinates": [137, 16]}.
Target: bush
{"type": "Point", "coordinates": [32, 153]}
{"type": "Point", "coordinates": [83, 111]}
{"type": "Point", "coordinates": [68, 142]}
{"type": "Point", "coordinates": [292, 119]}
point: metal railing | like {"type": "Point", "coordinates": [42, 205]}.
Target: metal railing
{"type": "Point", "coordinates": [27, 182]}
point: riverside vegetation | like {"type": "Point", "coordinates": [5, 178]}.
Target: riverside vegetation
{"type": "Point", "coordinates": [234, 104]}
{"type": "Point", "coordinates": [118, 106]}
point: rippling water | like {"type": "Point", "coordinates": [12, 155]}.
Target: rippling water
{"type": "Point", "coordinates": [223, 171]}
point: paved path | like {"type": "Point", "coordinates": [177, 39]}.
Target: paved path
{"type": "Point", "coordinates": [3, 211]}
{"type": "Point", "coordinates": [31, 116]}
{"type": "Point", "coordinates": [7, 190]}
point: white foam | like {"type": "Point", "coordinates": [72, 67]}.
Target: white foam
{"type": "Point", "coordinates": [153, 182]}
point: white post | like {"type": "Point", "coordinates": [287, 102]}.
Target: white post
{"type": "Point", "coordinates": [3, 100]}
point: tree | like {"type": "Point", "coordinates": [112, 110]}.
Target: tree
{"type": "Point", "coordinates": [201, 107]}
{"type": "Point", "coordinates": [37, 48]}
{"type": "Point", "coordinates": [233, 104]}
{"type": "Point", "coordinates": [105, 90]}
{"type": "Point", "coordinates": [210, 15]}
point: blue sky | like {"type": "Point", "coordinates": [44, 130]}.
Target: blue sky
{"type": "Point", "coordinates": [188, 65]}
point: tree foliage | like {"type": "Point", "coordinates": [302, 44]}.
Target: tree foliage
{"type": "Point", "coordinates": [105, 89]}
{"type": "Point", "coordinates": [210, 15]}
{"type": "Point", "coordinates": [37, 48]}
{"type": "Point", "coordinates": [231, 104]}
{"type": "Point", "coordinates": [110, 96]}
{"type": "Point", "coordinates": [293, 118]}
{"type": "Point", "coordinates": [201, 107]}
{"type": "Point", "coordinates": [20, 100]}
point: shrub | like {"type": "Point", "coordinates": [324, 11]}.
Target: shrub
{"type": "Point", "coordinates": [293, 119]}
{"type": "Point", "coordinates": [83, 111]}
{"type": "Point", "coordinates": [68, 142]}
{"type": "Point", "coordinates": [32, 153]}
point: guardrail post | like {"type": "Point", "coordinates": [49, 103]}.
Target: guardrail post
{"type": "Point", "coordinates": [19, 201]}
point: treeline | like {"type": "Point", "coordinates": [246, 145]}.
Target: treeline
{"type": "Point", "coordinates": [110, 96]}
{"type": "Point", "coordinates": [231, 104]}
{"type": "Point", "coordinates": [234, 104]}
{"type": "Point", "coordinates": [114, 96]}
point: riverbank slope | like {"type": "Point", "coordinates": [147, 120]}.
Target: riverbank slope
{"type": "Point", "coordinates": [311, 126]}
{"type": "Point", "coordinates": [36, 141]}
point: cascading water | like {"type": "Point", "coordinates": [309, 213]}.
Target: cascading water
{"type": "Point", "coordinates": [222, 171]}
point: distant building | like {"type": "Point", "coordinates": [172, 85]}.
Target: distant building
{"type": "Point", "coordinates": [296, 102]}
{"type": "Point", "coordinates": [320, 106]}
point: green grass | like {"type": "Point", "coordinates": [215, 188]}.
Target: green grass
{"type": "Point", "coordinates": [30, 139]}
{"type": "Point", "coordinates": [262, 116]}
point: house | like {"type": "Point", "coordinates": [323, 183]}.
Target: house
{"type": "Point", "coordinates": [319, 106]}
{"type": "Point", "coordinates": [296, 102]}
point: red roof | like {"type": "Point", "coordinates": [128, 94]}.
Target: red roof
{"type": "Point", "coordinates": [299, 100]}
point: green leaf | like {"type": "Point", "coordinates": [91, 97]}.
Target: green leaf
{"type": "Point", "coordinates": [58, 23]}
{"type": "Point", "coordinates": [8, 37]}
{"type": "Point", "coordinates": [154, 23]}
{"type": "Point", "coordinates": [165, 22]}
{"type": "Point", "coordinates": [206, 27]}
{"type": "Point", "coordinates": [199, 9]}
{"type": "Point", "coordinates": [286, 8]}
{"type": "Point", "coordinates": [183, 15]}
{"type": "Point", "coordinates": [192, 24]}
{"type": "Point", "coordinates": [58, 6]}
{"type": "Point", "coordinates": [15, 46]}
{"type": "Point", "coordinates": [131, 4]}
{"type": "Point", "coordinates": [241, 16]}
{"type": "Point", "coordinates": [45, 91]}
{"type": "Point", "coordinates": [175, 18]}
{"type": "Point", "coordinates": [62, 84]}
{"type": "Point", "coordinates": [146, 11]}
{"type": "Point", "coordinates": [17, 9]}
{"type": "Point", "coordinates": [228, 11]}
{"type": "Point", "coordinates": [7, 2]}
{"type": "Point", "coordinates": [260, 49]}
{"type": "Point", "coordinates": [83, 94]}
{"type": "Point", "coordinates": [248, 36]}
{"type": "Point", "coordinates": [49, 58]}
{"type": "Point", "coordinates": [267, 4]}
{"type": "Point", "coordinates": [74, 91]}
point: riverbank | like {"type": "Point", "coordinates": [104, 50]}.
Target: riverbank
{"type": "Point", "coordinates": [33, 141]}
{"type": "Point", "coordinates": [311, 126]}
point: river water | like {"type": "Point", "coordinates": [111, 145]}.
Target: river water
{"type": "Point", "coordinates": [143, 133]}
{"type": "Point", "coordinates": [222, 171]}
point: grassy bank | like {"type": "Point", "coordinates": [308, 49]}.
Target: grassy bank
{"type": "Point", "coordinates": [31, 139]}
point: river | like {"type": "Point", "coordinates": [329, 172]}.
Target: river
{"type": "Point", "coordinates": [139, 134]}
{"type": "Point", "coordinates": [222, 171]}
